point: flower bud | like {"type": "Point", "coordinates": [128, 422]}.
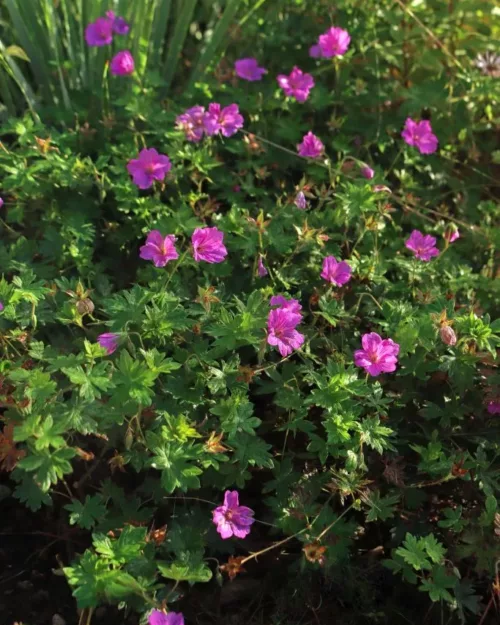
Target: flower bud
{"type": "Point", "coordinates": [448, 335]}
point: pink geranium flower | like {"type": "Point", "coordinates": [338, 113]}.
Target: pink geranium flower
{"type": "Point", "coordinates": [157, 617]}
{"type": "Point", "coordinates": [338, 273]}
{"type": "Point", "coordinates": [311, 146]}
{"type": "Point", "coordinates": [378, 355]}
{"type": "Point", "coordinates": [334, 42]}
{"type": "Point", "coordinates": [208, 245]}
{"type": "Point", "coordinates": [281, 330]}
{"type": "Point", "coordinates": [100, 32]}
{"type": "Point", "coordinates": [249, 69]}
{"type": "Point", "coordinates": [423, 246]}
{"type": "Point", "coordinates": [109, 340]}
{"type": "Point", "coordinates": [297, 84]}
{"type": "Point", "coordinates": [225, 120]}
{"type": "Point", "coordinates": [150, 166]}
{"type": "Point", "coordinates": [159, 249]}
{"type": "Point", "coordinates": [122, 64]}
{"type": "Point", "coordinates": [119, 24]}
{"type": "Point", "coordinates": [192, 123]}
{"type": "Point", "coordinates": [420, 135]}
{"type": "Point", "coordinates": [232, 519]}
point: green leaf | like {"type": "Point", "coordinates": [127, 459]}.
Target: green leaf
{"type": "Point", "coordinates": [92, 382]}
{"type": "Point", "coordinates": [435, 549]}
{"type": "Point", "coordinates": [438, 583]}
{"type": "Point", "coordinates": [381, 508]}
{"type": "Point", "coordinates": [133, 380]}
{"type": "Point", "coordinates": [86, 514]}
{"type": "Point", "coordinates": [128, 546]}
{"type": "Point", "coordinates": [185, 572]}
{"type": "Point", "coordinates": [414, 553]}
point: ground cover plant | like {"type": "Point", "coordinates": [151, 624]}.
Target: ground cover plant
{"type": "Point", "coordinates": [250, 318]}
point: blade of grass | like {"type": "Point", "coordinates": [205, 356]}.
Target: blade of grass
{"type": "Point", "coordinates": [17, 76]}
{"type": "Point", "coordinates": [158, 36]}
{"type": "Point", "coordinates": [6, 89]}
{"type": "Point", "coordinates": [182, 23]}
{"type": "Point", "coordinates": [55, 42]}
{"type": "Point", "coordinates": [216, 40]}
{"type": "Point", "coordinates": [32, 41]}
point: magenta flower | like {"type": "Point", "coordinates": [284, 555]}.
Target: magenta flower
{"type": "Point", "coordinates": [420, 135]}
{"type": "Point", "coordinates": [293, 305]}
{"type": "Point", "coordinates": [119, 24]}
{"type": "Point", "coordinates": [334, 42]}
{"type": "Point", "coordinates": [378, 355]}
{"type": "Point", "coordinates": [493, 406]}
{"type": "Point", "coordinates": [311, 146]}
{"type": "Point", "coordinates": [261, 270]}
{"type": "Point", "coordinates": [451, 234]}
{"type": "Point", "coordinates": [367, 172]}
{"type": "Point", "coordinates": [122, 64]}
{"type": "Point", "coordinates": [249, 69]}
{"type": "Point", "coordinates": [297, 84]}
{"type": "Point", "coordinates": [150, 166]}
{"type": "Point", "coordinates": [300, 201]}
{"type": "Point", "coordinates": [281, 330]}
{"type": "Point", "coordinates": [100, 32]}
{"type": "Point", "coordinates": [231, 518]}
{"type": "Point", "coordinates": [227, 120]}
{"type": "Point", "coordinates": [1, 306]}
{"type": "Point", "coordinates": [157, 617]}
{"type": "Point", "coordinates": [159, 249]}
{"type": "Point", "coordinates": [109, 341]}
{"type": "Point", "coordinates": [338, 273]}
{"type": "Point", "coordinates": [191, 122]}
{"type": "Point", "coordinates": [423, 246]}
{"type": "Point", "coordinates": [208, 245]}
{"type": "Point", "coordinates": [1, 202]}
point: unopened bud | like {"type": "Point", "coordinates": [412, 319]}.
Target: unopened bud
{"type": "Point", "coordinates": [448, 335]}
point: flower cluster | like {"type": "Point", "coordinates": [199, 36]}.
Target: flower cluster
{"type": "Point", "coordinates": [282, 323]}
{"type": "Point", "coordinates": [196, 122]}
{"type": "Point", "coordinates": [100, 33]}
{"type": "Point", "coordinates": [207, 244]}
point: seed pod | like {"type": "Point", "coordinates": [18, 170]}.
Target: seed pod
{"type": "Point", "coordinates": [85, 306]}
{"type": "Point", "coordinates": [448, 335]}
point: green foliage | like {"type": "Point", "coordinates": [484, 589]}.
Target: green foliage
{"type": "Point", "coordinates": [133, 450]}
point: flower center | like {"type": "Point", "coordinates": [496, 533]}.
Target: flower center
{"type": "Point", "coordinates": [228, 514]}
{"type": "Point", "coordinates": [149, 168]}
{"type": "Point", "coordinates": [373, 357]}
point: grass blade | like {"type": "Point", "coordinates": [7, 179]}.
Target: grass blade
{"type": "Point", "coordinates": [182, 24]}
{"type": "Point", "coordinates": [215, 41]}
{"type": "Point", "coordinates": [160, 23]}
